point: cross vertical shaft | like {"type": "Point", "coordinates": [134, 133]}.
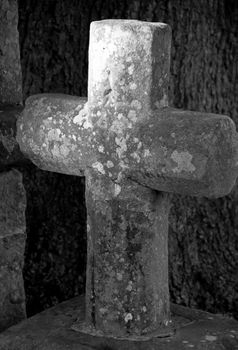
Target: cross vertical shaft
{"type": "Point", "coordinates": [127, 273]}
{"type": "Point", "coordinates": [127, 240]}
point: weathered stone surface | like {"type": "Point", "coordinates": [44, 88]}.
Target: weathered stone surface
{"type": "Point", "coordinates": [203, 62]}
{"type": "Point", "coordinates": [127, 265]}
{"type": "Point", "coordinates": [125, 129]}
{"type": "Point", "coordinates": [174, 151]}
{"type": "Point", "coordinates": [51, 330]}
{"type": "Point", "coordinates": [12, 245]}
{"type": "Point", "coordinates": [9, 149]}
{"type": "Point", "coordinates": [126, 132]}
{"type": "Point", "coordinates": [133, 67]}
{"type": "Point", "coordinates": [10, 67]}
{"type": "Point", "coordinates": [51, 137]}
{"type": "Point", "coordinates": [127, 96]}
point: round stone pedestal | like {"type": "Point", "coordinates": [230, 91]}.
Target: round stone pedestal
{"type": "Point", "coordinates": [52, 330]}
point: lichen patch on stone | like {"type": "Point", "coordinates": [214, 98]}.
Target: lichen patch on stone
{"type": "Point", "coordinates": [129, 286]}
{"type": "Point", "coordinates": [99, 167]}
{"type": "Point", "coordinates": [109, 164]}
{"type": "Point", "coordinates": [135, 156]}
{"type": "Point", "coordinates": [133, 86]}
{"type": "Point", "coordinates": [82, 119]}
{"type": "Point", "coordinates": [132, 115]}
{"type": "Point", "coordinates": [101, 148]}
{"type": "Point", "coordinates": [136, 104]}
{"type": "Point", "coordinates": [119, 276]}
{"type": "Point", "coordinates": [122, 146]}
{"type": "Point", "coordinates": [54, 135]}
{"type": "Point", "coordinates": [147, 153]}
{"type": "Point", "coordinates": [128, 317]}
{"type": "Point", "coordinates": [210, 337]}
{"type": "Point", "coordinates": [183, 160]}
{"type": "Point", "coordinates": [117, 190]}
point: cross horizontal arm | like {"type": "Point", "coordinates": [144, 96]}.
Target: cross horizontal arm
{"type": "Point", "coordinates": [170, 150]}
{"type": "Point", "coordinates": [186, 152]}
{"type": "Point", "coordinates": [49, 133]}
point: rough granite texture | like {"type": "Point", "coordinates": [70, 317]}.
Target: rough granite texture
{"type": "Point", "coordinates": [52, 330]}
{"type": "Point", "coordinates": [12, 246]}
{"type": "Point", "coordinates": [10, 66]}
{"type": "Point", "coordinates": [126, 132]}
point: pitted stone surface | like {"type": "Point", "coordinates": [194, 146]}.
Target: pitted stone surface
{"type": "Point", "coordinates": [12, 246]}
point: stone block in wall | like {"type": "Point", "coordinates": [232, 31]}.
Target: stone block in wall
{"type": "Point", "coordinates": [10, 67]}
{"type": "Point", "coordinates": [12, 247]}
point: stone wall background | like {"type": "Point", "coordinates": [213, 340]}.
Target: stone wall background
{"type": "Point", "coordinates": [203, 241]}
{"type": "Point", "coordinates": [12, 246]}
{"type": "Point", "coordinates": [55, 253]}
{"type": "Point", "coordinates": [10, 69]}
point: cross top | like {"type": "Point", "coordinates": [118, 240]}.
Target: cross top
{"type": "Point", "coordinates": [129, 62]}
{"type": "Point", "coordinates": [133, 149]}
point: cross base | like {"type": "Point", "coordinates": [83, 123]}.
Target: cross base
{"type": "Point", "coordinates": [82, 327]}
{"type": "Point", "coordinates": [52, 329]}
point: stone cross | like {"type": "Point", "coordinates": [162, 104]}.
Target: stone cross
{"type": "Point", "coordinates": [134, 150]}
